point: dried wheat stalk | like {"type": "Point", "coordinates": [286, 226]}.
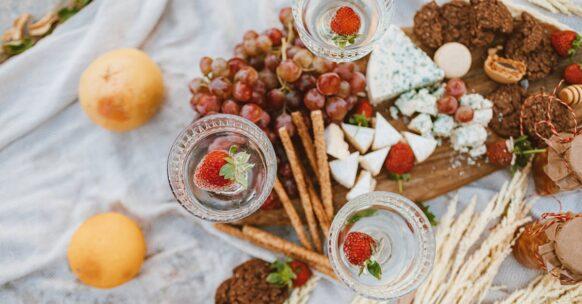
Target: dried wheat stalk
{"type": "Point", "coordinates": [301, 295]}
{"type": "Point", "coordinates": [545, 289]}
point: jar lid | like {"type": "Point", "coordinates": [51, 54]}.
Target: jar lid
{"type": "Point", "coordinates": [574, 158]}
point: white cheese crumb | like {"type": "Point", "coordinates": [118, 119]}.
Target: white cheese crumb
{"type": "Point", "coordinates": [443, 126]}
{"type": "Point", "coordinates": [476, 102]}
{"type": "Point", "coordinates": [394, 112]}
{"type": "Point", "coordinates": [467, 137]}
{"type": "Point", "coordinates": [421, 124]}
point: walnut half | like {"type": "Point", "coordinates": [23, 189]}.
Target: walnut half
{"type": "Point", "coordinates": [504, 70]}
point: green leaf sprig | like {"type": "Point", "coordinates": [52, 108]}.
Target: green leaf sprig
{"type": "Point", "coordinates": [237, 167]}
{"type": "Point", "coordinates": [359, 120]}
{"type": "Point", "coordinates": [361, 214]}
{"type": "Point", "coordinates": [523, 151]}
{"type": "Point", "coordinates": [431, 216]}
{"type": "Point", "coordinates": [283, 274]}
{"type": "Point", "coordinates": [400, 178]}
{"type": "Point", "coordinates": [342, 41]}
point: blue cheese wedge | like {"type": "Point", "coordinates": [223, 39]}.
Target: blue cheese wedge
{"type": "Point", "coordinates": [422, 124]}
{"type": "Point", "coordinates": [397, 66]}
{"type": "Point", "coordinates": [417, 102]}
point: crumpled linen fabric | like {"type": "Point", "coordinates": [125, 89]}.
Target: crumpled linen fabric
{"type": "Point", "coordinates": [57, 168]}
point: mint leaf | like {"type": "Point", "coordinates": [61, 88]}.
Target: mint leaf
{"type": "Point", "coordinates": [374, 269]}
{"type": "Point", "coordinates": [237, 167]}
{"type": "Point", "coordinates": [283, 274]}
{"type": "Point", "coordinates": [361, 214]}
{"type": "Point", "coordinates": [344, 40]}
{"type": "Point", "coordinates": [359, 120]}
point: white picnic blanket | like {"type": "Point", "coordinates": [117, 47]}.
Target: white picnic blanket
{"type": "Point", "coordinates": [57, 168]}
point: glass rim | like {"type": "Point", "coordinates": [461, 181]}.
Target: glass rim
{"type": "Point", "coordinates": [350, 53]}
{"type": "Point", "coordinates": [413, 215]}
{"type": "Point", "coordinates": [182, 147]}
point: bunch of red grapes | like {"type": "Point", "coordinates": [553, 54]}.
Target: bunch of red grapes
{"type": "Point", "coordinates": [271, 75]}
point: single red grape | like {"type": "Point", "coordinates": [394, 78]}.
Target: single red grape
{"type": "Point", "coordinates": [257, 62]}
{"type": "Point", "coordinates": [305, 83]}
{"type": "Point", "coordinates": [276, 99]}
{"type": "Point", "coordinates": [247, 75]}
{"type": "Point", "coordinates": [264, 43]}
{"type": "Point", "coordinates": [206, 65]}
{"type": "Point", "coordinates": [345, 70]}
{"type": "Point", "coordinates": [464, 114]}
{"type": "Point", "coordinates": [275, 35]}
{"type": "Point", "coordinates": [251, 112]}
{"type": "Point", "coordinates": [221, 87]}
{"type": "Point", "coordinates": [321, 65]}
{"type": "Point", "coordinates": [294, 99]}
{"type": "Point", "coordinates": [272, 61]}
{"type": "Point", "coordinates": [336, 108]}
{"type": "Point", "coordinates": [289, 71]}
{"type": "Point", "coordinates": [448, 105]}
{"type": "Point", "coordinates": [264, 120]}
{"type": "Point", "coordinates": [250, 46]}
{"type": "Point", "coordinates": [234, 65]}
{"type": "Point", "coordinates": [269, 79]}
{"type": "Point", "coordinates": [344, 90]}
{"type": "Point", "coordinates": [208, 104]}
{"type": "Point", "coordinates": [219, 67]}
{"type": "Point", "coordinates": [242, 91]}
{"type": "Point", "coordinates": [456, 88]}
{"type": "Point", "coordinates": [292, 51]}
{"type": "Point", "coordinates": [358, 82]}
{"type": "Point", "coordinates": [328, 83]}
{"type": "Point", "coordinates": [303, 58]}
{"type": "Point", "coordinates": [314, 100]}
{"type": "Point", "coordinates": [248, 35]}
{"type": "Point", "coordinates": [196, 85]}
{"type": "Point", "coordinates": [352, 100]}
{"type": "Point", "coordinates": [239, 52]}
{"type": "Point", "coordinates": [286, 16]}
{"type": "Point", "coordinates": [230, 106]}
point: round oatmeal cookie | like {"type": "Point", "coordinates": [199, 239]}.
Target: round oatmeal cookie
{"type": "Point", "coordinates": [249, 285]}
{"type": "Point", "coordinates": [536, 110]}
{"type": "Point", "coordinates": [427, 25]}
{"type": "Point", "coordinates": [456, 23]}
{"type": "Point", "coordinates": [221, 295]}
{"type": "Point", "coordinates": [531, 43]}
{"type": "Point", "coordinates": [492, 15]}
{"type": "Point", "coordinates": [507, 100]}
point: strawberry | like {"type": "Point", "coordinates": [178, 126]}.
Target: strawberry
{"type": "Point", "coordinates": [302, 273]}
{"type": "Point", "coordinates": [289, 273]}
{"type": "Point", "coordinates": [573, 73]}
{"type": "Point", "coordinates": [358, 248]}
{"type": "Point", "coordinates": [498, 154]}
{"type": "Point", "coordinates": [345, 24]}
{"type": "Point", "coordinates": [365, 108]}
{"type": "Point", "coordinates": [566, 42]}
{"type": "Point", "coordinates": [400, 162]}
{"type": "Point", "coordinates": [219, 170]}
{"type": "Point", "coordinates": [271, 203]}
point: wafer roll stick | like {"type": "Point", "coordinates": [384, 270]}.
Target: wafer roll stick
{"type": "Point", "coordinates": [306, 140]}
{"type": "Point", "coordinates": [297, 170]}
{"type": "Point", "coordinates": [292, 213]}
{"type": "Point", "coordinates": [274, 243]}
{"type": "Point", "coordinates": [322, 165]}
{"type": "Point", "coordinates": [318, 209]}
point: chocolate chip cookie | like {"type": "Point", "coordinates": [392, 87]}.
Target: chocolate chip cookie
{"type": "Point", "coordinates": [249, 285]}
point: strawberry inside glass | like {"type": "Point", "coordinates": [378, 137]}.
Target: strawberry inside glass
{"type": "Point", "coordinates": [345, 25]}
{"type": "Point", "coordinates": [223, 171]}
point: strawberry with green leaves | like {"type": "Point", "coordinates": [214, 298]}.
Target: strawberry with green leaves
{"type": "Point", "coordinates": [362, 115]}
{"type": "Point", "coordinates": [220, 170]}
{"type": "Point", "coordinates": [512, 152]}
{"type": "Point", "coordinates": [359, 248]}
{"type": "Point", "coordinates": [399, 163]}
{"type": "Point", "coordinates": [566, 43]}
{"type": "Point", "coordinates": [289, 273]}
{"type": "Point", "coordinates": [345, 26]}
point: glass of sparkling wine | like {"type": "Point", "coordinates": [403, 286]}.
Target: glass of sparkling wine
{"type": "Point", "coordinates": [381, 245]}
{"type": "Point", "coordinates": [342, 30]}
{"type": "Point", "coordinates": [221, 168]}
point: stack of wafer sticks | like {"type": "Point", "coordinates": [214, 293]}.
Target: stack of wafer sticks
{"type": "Point", "coordinates": [317, 205]}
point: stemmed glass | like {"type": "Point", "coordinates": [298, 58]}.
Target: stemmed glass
{"type": "Point", "coordinates": [313, 20]}
{"type": "Point", "coordinates": [221, 132]}
{"type": "Point", "coordinates": [403, 246]}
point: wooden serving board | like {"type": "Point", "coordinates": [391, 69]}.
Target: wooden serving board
{"type": "Point", "coordinates": [445, 170]}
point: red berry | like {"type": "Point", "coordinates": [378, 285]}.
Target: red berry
{"type": "Point", "coordinates": [464, 114]}
{"type": "Point", "coordinates": [456, 88]}
{"type": "Point", "coordinates": [566, 42]}
{"type": "Point", "coordinates": [448, 105]}
{"type": "Point", "coordinates": [573, 73]}
{"type": "Point", "coordinates": [207, 173]}
{"type": "Point", "coordinates": [498, 154]}
{"type": "Point", "coordinates": [358, 247]}
{"type": "Point", "coordinates": [365, 108]}
{"type": "Point", "coordinates": [272, 202]}
{"type": "Point", "coordinates": [302, 273]}
{"type": "Point", "coordinates": [400, 159]}
{"type": "Point", "coordinates": [345, 21]}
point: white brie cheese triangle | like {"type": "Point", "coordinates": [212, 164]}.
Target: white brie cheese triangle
{"type": "Point", "coordinates": [374, 161]}
{"type": "Point", "coordinates": [422, 147]}
{"type": "Point", "coordinates": [344, 171]}
{"type": "Point", "coordinates": [385, 135]}
{"type": "Point", "coordinates": [335, 144]}
{"type": "Point", "coordinates": [360, 137]}
{"type": "Point", "coordinates": [365, 184]}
